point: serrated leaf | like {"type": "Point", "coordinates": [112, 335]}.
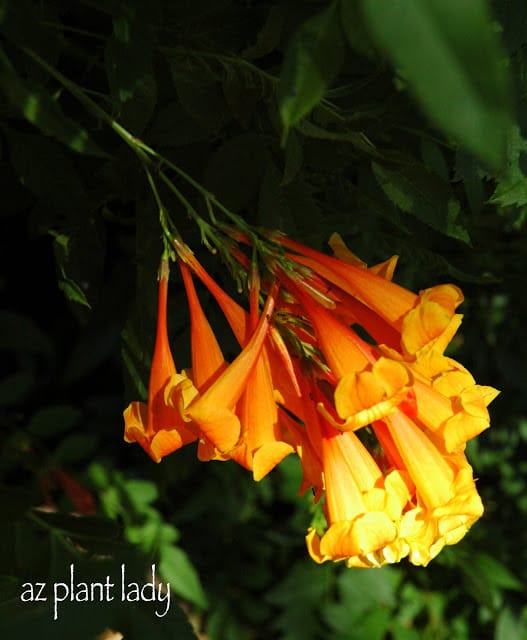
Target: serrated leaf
{"type": "Point", "coordinates": [177, 569]}
{"type": "Point", "coordinates": [467, 170]}
{"type": "Point", "coordinates": [415, 190]}
{"type": "Point", "coordinates": [312, 61]}
{"type": "Point", "coordinates": [460, 82]}
{"type": "Point", "coordinates": [356, 138]}
{"type": "Point", "coordinates": [44, 112]}
{"type": "Point", "coordinates": [511, 189]}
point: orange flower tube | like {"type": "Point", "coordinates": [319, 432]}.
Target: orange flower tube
{"type": "Point", "coordinates": [157, 427]}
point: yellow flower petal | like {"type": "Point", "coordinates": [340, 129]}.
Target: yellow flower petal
{"type": "Point", "coordinates": [433, 321]}
{"type": "Point", "coordinates": [432, 475]}
{"type": "Point", "coordinates": [361, 398]}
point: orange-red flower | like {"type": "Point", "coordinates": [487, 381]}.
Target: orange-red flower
{"type": "Point", "coordinates": [157, 427]}
{"type": "Point", "coordinates": [238, 412]}
{"type": "Point", "coordinates": [351, 375]}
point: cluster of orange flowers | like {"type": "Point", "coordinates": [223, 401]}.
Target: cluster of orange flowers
{"type": "Point", "coordinates": [347, 370]}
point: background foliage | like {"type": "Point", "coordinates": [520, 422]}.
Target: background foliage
{"type": "Point", "coordinates": [401, 125]}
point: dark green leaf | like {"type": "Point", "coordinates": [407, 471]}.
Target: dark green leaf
{"type": "Point", "coordinates": [15, 502]}
{"type": "Point", "coordinates": [173, 126]}
{"type": "Point", "coordinates": [14, 388]}
{"type": "Point", "coordinates": [44, 112]}
{"type": "Point", "coordinates": [512, 185]}
{"type": "Point", "coordinates": [312, 61]}
{"type": "Point", "coordinates": [415, 190]}
{"type": "Point", "coordinates": [75, 447]}
{"type": "Point", "coordinates": [129, 64]}
{"type": "Point", "coordinates": [356, 138]}
{"type": "Point", "coordinates": [467, 170]}
{"type": "Point", "coordinates": [272, 206]}
{"type": "Point", "coordinates": [234, 172]}
{"type": "Point", "coordinates": [433, 158]}
{"type": "Point", "coordinates": [200, 92]}
{"type": "Point", "coordinates": [53, 420]}
{"type": "Point", "coordinates": [269, 35]}
{"type": "Point", "coordinates": [18, 332]}
{"type": "Point", "coordinates": [24, 23]}
{"type": "Point", "coordinates": [293, 158]}
{"type": "Point", "coordinates": [460, 81]}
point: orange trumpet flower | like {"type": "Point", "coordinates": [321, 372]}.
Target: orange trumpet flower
{"type": "Point", "coordinates": [160, 429]}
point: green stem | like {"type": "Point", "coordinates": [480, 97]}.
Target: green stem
{"type": "Point", "coordinates": [142, 150]}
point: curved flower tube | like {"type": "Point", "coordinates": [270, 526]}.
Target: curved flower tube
{"type": "Point", "coordinates": [161, 429]}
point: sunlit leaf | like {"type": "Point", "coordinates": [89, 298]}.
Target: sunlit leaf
{"type": "Point", "coordinates": [177, 569]}
{"type": "Point", "coordinates": [450, 56]}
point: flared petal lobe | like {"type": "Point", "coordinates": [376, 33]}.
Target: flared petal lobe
{"type": "Point", "coordinates": [157, 427]}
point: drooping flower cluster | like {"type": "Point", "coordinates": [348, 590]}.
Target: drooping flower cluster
{"type": "Point", "coordinates": [347, 370]}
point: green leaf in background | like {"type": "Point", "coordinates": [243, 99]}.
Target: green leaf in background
{"type": "Point", "coordinates": [18, 332]}
{"type": "Point", "coordinates": [312, 61]}
{"type": "Point", "coordinates": [53, 420]}
{"type": "Point", "coordinates": [449, 55]}
{"type": "Point", "coordinates": [511, 190]}
{"type": "Point", "coordinates": [75, 447]}
{"type": "Point", "coordinates": [72, 291]}
{"type": "Point", "coordinates": [417, 191]}
{"type": "Point", "coordinates": [176, 568]}
{"type": "Point", "coordinates": [200, 92]}
{"type": "Point", "coordinates": [128, 58]}
{"type": "Point", "coordinates": [39, 108]}
{"type": "Point", "coordinates": [365, 601]}
{"type": "Point", "coordinates": [511, 625]}
{"type": "Point", "coordinates": [299, 595]}
{"type": "Point", "coordinates": [272, 207]}
{"type": "Point", "coordinates": [293, 159]}
{"type": "Point", "coordinates": [486, 577]}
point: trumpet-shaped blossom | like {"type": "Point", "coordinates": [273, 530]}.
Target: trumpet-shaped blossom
{"type": "Point", "coordinates": [351, 375]}
{"type": "Point", "coordinates": [363, 507]}
{"type": "Point", "coordinates": [253, 415]}
{"type": "Point", "coordinates": [159, 428]}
